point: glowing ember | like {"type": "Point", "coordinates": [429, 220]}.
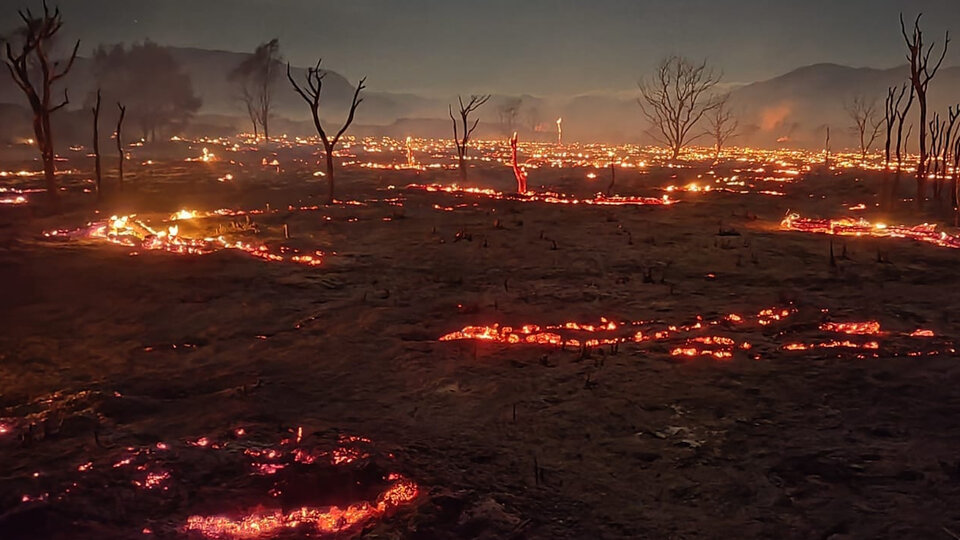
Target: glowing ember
{"type": "Point", "coordinates": [184, 214]}
{"type": "Point", "coordinates": [547, 197]}
{"type": "Point", "coordinates": [697, 339]}
{"type": "Point", "coordinates": [153, 480]}
{"type": "Point", "coordinates": [718, 347]}
{"type": "Point", "coordinates": [159, 479]}
{"type": "Point", "coordinates": [859, 227]}
{"type": "Point", "coordinates": [314, 520]}
{"type": "Point", "coordinates": [833, 344]}
{"type": "Point", "coordinates": [615, 333]}
{"type": "Point", "coordinates": [854, 328]}
{"type": "Point", "coordinates": [768, 316]}
{"type": "Point", "coordinates": [205, 157]}
{"type": "Point", "coordinates": [506, 334]}
{"type": "Point", "coordinates": [131, 232]}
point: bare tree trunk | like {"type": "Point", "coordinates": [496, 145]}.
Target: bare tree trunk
{"type": "Point", "coordinates": [49, 160]}
{"type": "Point", "coordinates": [922, 165]}
{"type": "Point", "coordinates": [518, 172]}
{"type": "Point", "coordinates": [613, 179]}
{"type": "Point", "coordinates": [123, 112]}
{"type": "Point", "coordinates": [330, 183]}
{"type": "Point", "coordinates": [956, 182]}
{"type": "Point", "coordinates": [920, 76]}
{"type": "Point", "coordinates": [34, 73]}
{"type": "Point", "coordinates": [50, 174]}
{"type": "Point", "coordinates": [311, 95]}
{"type": "Point", "coordinates": [96, 147]}
{"type": "Point", "coordinates": [465, 111]}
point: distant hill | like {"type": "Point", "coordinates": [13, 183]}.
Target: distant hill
{"type": "Point", "coordinates": [791, 110]}
{"type": "Point", "coordinates": [798, 105]}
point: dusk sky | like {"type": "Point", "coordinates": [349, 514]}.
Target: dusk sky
{"type": "Point", "coordinates": [532, 46]}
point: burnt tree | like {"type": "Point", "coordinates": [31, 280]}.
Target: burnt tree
{"type": "Point", "coordinates": [96, 146]}
{"type": "Point", "coordinates": [938, 129]}
{"type": "Point", "coordinates": [921, 74]}
{"type": "Point", "coordinates": [518, 172]}
{"type": "Point", "coordinates": [256, 76]}
{"type": "Point", "coordinates": [956, 183]}
{"type": "Point", "coordinates": [119, 136]}
{"type": "Point", "coordinates": [866, 125]}
{"type": "Point", "coordinates": [466, 109]}
{"type": "Point", "coordinates": [723, 126]}
{"type": "Point", "coordinates": [675, 99]}
{"type": "Point", "coordinates": [894, 115]}
{"type": "Point", "coordinates": [35, 73]}
{"type": "Point", "coordinates": [311, 95]}
{"type": "Point", "coordinates": [952, 116]}
{"type": "Point", "coordinates": [900, 116]}
{"type": "Point", "coordinates": [891, 114]}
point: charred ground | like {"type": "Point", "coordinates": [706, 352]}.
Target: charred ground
{"type": "Point", "coordinates": [503, 441]}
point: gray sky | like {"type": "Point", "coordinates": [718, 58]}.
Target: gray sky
{"type": "Point", "coordinates": [544, 47]}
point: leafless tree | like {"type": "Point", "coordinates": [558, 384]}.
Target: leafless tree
{"type": "Point", "coordinates": [676, 98]}
{"type": "Point", "coordinates": [33, 52]}
{"type": "Point", "coordinates": [466, 109]}
{"type": "Point", "coordinates": [96, 146]}
{"type": "Point", "coordinates": [952, 116]}
{"type": "Point", "coordinates": [920, 76]}
{"type": "Point", "coordinates": [256, 76]}
{"type": "Point", "coordinates": [249, 102]}
{"type": "Point", "coordinates": [956, 181]}
{"type": "Point", "coordinates": [902, 142]}
{"type": "Point", "coordinates": [518, 172]}
{"type": "Point", "coordinates": [938, 129]}
{"type": "Point", "coordinates": [311, 95]}
{"type": "Point", "coordinates": [866, 124]}
{"type": "Point", "coordinates": [723, 125]}
{"type": "Point", "coordinates": [119, 135]}
{"type": "Point", "coordinates": [891, 115]}
{"type": "Point", "coordinates": [509, 113]}
{"type": "Point", "coordinates": [895, 112]}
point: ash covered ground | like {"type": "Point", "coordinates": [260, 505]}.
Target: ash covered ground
{"type": "Point", "coordinates": [723, 377]}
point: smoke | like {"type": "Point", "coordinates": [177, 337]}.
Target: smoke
{"type": "Point", "coordinates": [772, 118]}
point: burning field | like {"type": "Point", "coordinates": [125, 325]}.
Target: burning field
{"type": "Point", "coordinates": [679, 350]}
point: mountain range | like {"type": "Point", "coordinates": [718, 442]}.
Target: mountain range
{"type": "Point", "coordinates": [791, 110]}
